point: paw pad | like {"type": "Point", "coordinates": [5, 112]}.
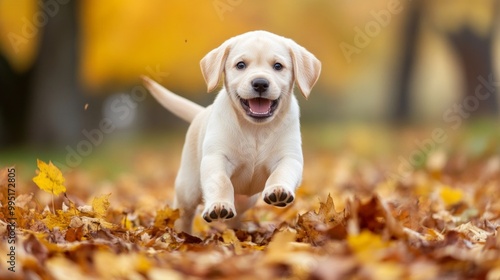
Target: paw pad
{"type": "Point", "coordinates": [278, 197]}
{"type": "Point", "coordinates": [218, 211]}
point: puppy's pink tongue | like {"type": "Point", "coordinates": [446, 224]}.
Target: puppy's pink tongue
{"type": "Point", "coordinates": [259, 105]}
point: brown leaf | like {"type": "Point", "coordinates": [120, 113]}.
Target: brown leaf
{"type": "Point", "coordinates": [74, 234]}
{"type": "Point", "coordinates": [316, 227]}
{"type": "Point", "coordinates": [33, 247]}
{"type": "Point", "coordinates": [375, 216]}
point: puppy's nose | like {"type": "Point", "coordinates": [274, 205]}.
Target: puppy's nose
{"type": "Point", "coordinates": [260, 85]}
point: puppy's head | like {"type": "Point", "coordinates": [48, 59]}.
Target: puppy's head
{"type": "Point", "coordinates": [260, 70]}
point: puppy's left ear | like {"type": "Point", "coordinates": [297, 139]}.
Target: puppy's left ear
{"type": "Point", "coordinates": [306, 68]}
{"type": "Point", "coordinates": [212, 64]}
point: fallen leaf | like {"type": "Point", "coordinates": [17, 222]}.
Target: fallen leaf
{"type": "Point", "coordinates": [367, 245]}
{"type": "Point", "coordinates": [74, 234]}
{"type": "Point", "coordinates": [100, 205]}
{"type": "Point", "coordinates": [316, 227]}
{"type": "Point", "coordinates": [450, 196]}
{"type": "Point", "coordinates": [166, 217]}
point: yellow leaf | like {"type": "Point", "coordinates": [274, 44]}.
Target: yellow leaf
{"type": "Point", "coordinates": [142, 265]}
{"type": "Point", "coordinates": [49, 178]}
{"type": "Point", "coordinates": [279, 248]}
{"type": "Point", "coordinates": [229, 237]}
{"type": "Point", "coordinates": [100, 205]}
{"type": "Point", "coordinates": [166, 218]}
{"type": "Point", "coordinates": [386, 270]}
{"type": "Point", "coordinates": [60, 220]}
{"type": "Point", "coordinates": [127, 224]}
{"type": "Point", "coordinates": [366, 245]}
{"type": "Point", "coordinates": [450, 196]}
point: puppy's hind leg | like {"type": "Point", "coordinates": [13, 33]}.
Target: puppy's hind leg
{"type": "Point", "coordinates": [242, 203]}
{"type": "Point", "coordinates": [187, 198]}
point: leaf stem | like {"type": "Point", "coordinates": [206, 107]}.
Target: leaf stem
{"type": "Point", "coordinates": [53, 208]}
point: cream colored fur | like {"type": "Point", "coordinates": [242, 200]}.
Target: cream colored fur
{"type": "Point", "coordinates": [230, 157]}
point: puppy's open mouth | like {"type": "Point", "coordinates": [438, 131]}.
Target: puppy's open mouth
{"type": "Point", "coordinates": [259, 108]}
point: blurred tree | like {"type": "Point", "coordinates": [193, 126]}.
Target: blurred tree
{"type": "Point", "coordinates": [409, 37]}
{"type": "Point", "coordinates": [470, 27]}
{"type": "Point", "coordinates": [40, 93]}
{"type": "Point", "coordinates": [18, 48]}
{"type": "Point", "coordinates": [14, 103]}
{"type": "Point", "coordinates": [57, 101]}
{"type": "Point", "coordinates": [476, 56]}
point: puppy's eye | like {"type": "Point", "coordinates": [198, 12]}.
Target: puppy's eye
{"type": "Point", "coordinates": [241, 65]}
{"type": "Point", "coordinates": [278, 66]}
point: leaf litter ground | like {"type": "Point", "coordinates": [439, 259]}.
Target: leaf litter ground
{"type": "Point", "coordinates": [358, 214]}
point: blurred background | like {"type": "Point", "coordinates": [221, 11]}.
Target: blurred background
{"type": "Point", "coordinates": [67, 65]}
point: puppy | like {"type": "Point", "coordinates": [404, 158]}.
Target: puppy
{"type": "Point", "coordinates": [248, 141]}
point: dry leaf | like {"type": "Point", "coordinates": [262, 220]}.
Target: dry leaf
{"type": "Point", "coordinates": [450, 196]}
{"type": "Point", "coordinates": [166, 217]}
{"type": "Point", "coordinates": [424, 227]}
{"type": "Point", "coordinates": [100, 205]}
{"type": "Point", "coordinates": [367, 246]}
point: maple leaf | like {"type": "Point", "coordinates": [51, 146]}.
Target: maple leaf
{"type": "Point", "coordinates": [166, 217]}
{"type": "Point", "coordinates": [317, 226]}
{"type": "Point", "coordinates": [49, 178]}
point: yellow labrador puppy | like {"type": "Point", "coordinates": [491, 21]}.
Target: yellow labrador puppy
{"type": "Point", "coordinates": [248, 141]}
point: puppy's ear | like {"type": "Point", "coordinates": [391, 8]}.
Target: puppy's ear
{"type": "Point", "coordinates": [212, 64]}
{"type": "Point", "coordinates": [306, 68]}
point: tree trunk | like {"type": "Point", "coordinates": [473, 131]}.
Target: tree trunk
{"type": "Point", "coordinates": [57, 105]}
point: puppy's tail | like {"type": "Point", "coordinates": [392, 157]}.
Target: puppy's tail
{"type": "Point", "coordinates": [180, 106]}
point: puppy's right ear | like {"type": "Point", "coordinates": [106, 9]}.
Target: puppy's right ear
{"type": "Point", "coordinates": [212, 64]}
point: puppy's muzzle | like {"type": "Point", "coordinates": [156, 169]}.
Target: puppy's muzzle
{"type": "Point", "coordinates": [260, 85]}
{"type": "Point", "coordinates": [259, 107]}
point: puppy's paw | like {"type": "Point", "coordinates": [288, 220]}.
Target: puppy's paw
{"type": "Point", "coordinates": [278, 196]}
{"type": "Point", "coordinates": [218, 211]}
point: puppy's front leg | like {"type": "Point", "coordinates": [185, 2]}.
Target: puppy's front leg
{"type": "Point", "coordinates": [218, 192]}
{"type": "Point", "coordinates": [284, 180]}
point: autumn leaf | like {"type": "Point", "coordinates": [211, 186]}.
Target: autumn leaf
{"type": "Point", "coordinates": [280, 246]}
{"type": "Point", "coordinates": [59, 220]}
{"type": "Point", "coordinates": [49, 178]}
{"type": "Point", "coordinates": [376, 229]}
{"type": "Point", "coordinates": [229, 237]}
{"type": "Point", "coordinates": [166, 217]}
{"type": "Point", "coordinates": [366, 245]}
{"type": "Point", "coordinates": [100, 205]}
{"type": "Point", "coordinates": [326, 222]}
{"type": "Point", "coordinates": [450, 196]}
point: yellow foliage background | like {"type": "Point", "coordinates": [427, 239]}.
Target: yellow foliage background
{"type": "Point", "coordinates": [119, 40]}
{"type": "Point", "coordinates": [12, 20]}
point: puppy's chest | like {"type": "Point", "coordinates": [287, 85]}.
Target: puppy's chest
{"type": "Point", "coordinates": [252, 166]}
